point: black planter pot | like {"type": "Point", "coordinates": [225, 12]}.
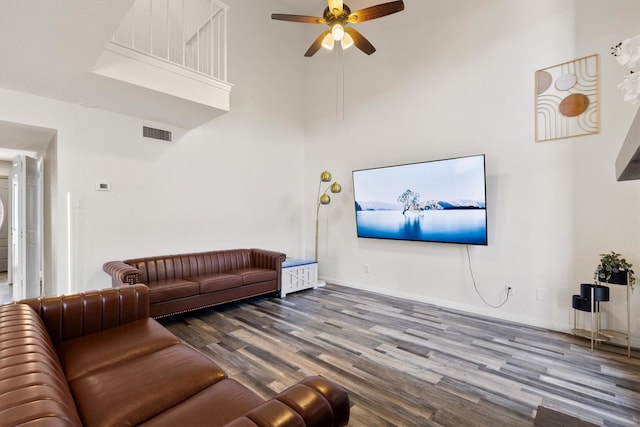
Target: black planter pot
{"type": "Point", "coordinates": [600, 293]}
{"type": "Point", "coordinates": [618, 278]}
{"type": "Point", "coordinates": [579, 303]}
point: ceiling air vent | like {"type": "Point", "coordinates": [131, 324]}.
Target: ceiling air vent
{"type": "Point", "coordinates": [157, 134]}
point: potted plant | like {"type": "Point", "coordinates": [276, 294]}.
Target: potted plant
{"type": "Point", "coordinates": [614, 269]}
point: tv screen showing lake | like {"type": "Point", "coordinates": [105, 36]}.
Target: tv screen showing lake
{"type": "Point", "coordinates": [447, 226]}
{"type": "Point", "coordinates": [434, 201]}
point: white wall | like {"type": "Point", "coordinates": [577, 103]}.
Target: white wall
{"type": "Point", "coordinates": [5, 168]}
{"type": "Point", "coordinates": [457, 78]}
{"type": "Point", "coordinates": [449, 79]}
{"type": "Point", "coordinates": [233, 182]}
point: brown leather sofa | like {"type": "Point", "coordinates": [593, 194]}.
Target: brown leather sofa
{"type": "Point", "coordinates": [98, 359]}
{"type": "Point", "coordinates": [185, 282]}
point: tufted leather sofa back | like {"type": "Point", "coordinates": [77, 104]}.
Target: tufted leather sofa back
{"type": "Point", "coordinates": [188, 265]}
{"type": "Point", "coordinates": [71, 316]}
{"type": "Point", "coordinates": [33, 388]}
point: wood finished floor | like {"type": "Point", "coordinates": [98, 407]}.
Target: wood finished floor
{"type": "Point", "coordinates": [413, 364]}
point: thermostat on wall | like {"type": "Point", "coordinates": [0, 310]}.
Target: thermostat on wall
{"type": "Point", "coordinates": [103, 186]}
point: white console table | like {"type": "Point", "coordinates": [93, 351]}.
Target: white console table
{"type": "Point", "coordinates": [298, 274]}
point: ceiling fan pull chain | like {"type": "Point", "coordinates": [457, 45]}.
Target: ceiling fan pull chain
{"type": "Point", "coordinates": [339, 83]}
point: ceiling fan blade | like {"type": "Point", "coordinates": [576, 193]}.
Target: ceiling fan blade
{"type": "Point", "coordinates": [377, 11]}
{"type": "Point", "coordinates": [316, 45]}
{"type": "Point", "coordinates": [298, 18]}
{"type": "Point", "coordinates": [360, 41]}
{"type": "Point", "coordinates": [336, 6]}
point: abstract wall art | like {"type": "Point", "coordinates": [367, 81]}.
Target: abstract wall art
{"type": "Point", "coordinates": [567, 99]}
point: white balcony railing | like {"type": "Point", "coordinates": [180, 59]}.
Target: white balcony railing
{"type": "Point", "coordinates": [188, 33]}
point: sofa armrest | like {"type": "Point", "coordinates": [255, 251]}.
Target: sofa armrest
{"type": "Point", "coordinates": [263, 258]}
{"type": "Point", "coordinates": [71, 316]}
{"type": "Point", "coordinates": [121, 273]}
{"type": "Point", "coordinates": [313, 402]}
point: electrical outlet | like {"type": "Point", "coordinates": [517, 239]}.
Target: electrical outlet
{"type": "Point", "coordinates": [366, 268]}
{"type": "Point", "coordinates": [541, 294]}
{"type": "Point", "coordinates": [508, 289]}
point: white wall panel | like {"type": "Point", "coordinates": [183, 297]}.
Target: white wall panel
{"type": "Point", "coordinates": [457, 78]}
{"type": "Point", "coordinates": [233, 182]}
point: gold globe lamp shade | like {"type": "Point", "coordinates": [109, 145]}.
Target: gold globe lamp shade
{"type": "Point", "coordinates": [324, 199]}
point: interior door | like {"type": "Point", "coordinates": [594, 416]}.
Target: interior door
{"type": "Point", "coordinates": [26, 228]}
{"type": "Point", "coordinates": [4, 223]}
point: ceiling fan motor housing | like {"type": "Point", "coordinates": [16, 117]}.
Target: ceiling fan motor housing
{"type": "Point", "coordinates": [342, 17]}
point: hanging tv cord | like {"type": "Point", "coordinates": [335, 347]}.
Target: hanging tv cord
{"type": "Point", "coordinates": [475, 286]}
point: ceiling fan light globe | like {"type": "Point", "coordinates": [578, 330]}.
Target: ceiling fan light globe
{"type": "Point", "coordinates": [347, 41]}
{"type": "Point", "coordinates": [337, 31]}
{"type": "Point", "coordinates": [328, 42]}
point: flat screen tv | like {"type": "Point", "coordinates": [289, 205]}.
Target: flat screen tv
{"type": "Point", "coordinates": [433, 201]}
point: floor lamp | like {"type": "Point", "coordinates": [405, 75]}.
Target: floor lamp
{"type": "Point", "coordinates": [324, 199]}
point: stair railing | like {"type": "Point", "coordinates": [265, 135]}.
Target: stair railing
{"type": "Point", "coordinates": [188, 33]}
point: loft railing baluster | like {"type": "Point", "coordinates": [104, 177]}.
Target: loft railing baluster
{"type": "Point", "coordinates": [211, 41]}
{"type": "Point", "coordinates": [184, 37]}
{"type": "Point", "coordinates": [224, 43]}
{"type": "Point", "coordinates": [168, 30]}
{"type": "Point", "coordinates": [200, 52]}
{"type": "Point", "coordinates": [133, 27]}
{"type": "Point", "coordinates": [151, 27]}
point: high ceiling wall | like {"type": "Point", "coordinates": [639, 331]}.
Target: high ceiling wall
{"type": "Point", "coordinates": [236, 181]}
{"type": "Point", "coordinates": [457, 78]}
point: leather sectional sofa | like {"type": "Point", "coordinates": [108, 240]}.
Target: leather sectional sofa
{"type": "Point", "coordinates": [98, 359]}
{"type": "Point", "coordinates": [185, 282]}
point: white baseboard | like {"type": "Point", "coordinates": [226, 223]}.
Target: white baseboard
{"type": "Point", "coordinates": [500, 315]}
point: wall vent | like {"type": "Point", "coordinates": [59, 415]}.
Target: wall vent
{"type": "Point", "coordinates": [158, 134]}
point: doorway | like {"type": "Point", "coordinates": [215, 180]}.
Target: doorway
{"type": "Point", "coordinates": [6, 291]}
{"type": "Point", "coordinates": [20, 139]}
{"type": "Point", "coordinates": [4, 227]}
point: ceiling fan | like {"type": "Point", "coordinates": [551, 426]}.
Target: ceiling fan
{"type": "Point", "coordinates": [337, 16]}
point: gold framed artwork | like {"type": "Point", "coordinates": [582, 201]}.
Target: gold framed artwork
{"type": "Point", "coordinates": [567, 99]}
